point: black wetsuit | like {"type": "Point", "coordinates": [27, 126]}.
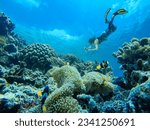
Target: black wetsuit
{"type": "Point", "coordinates": [111, 28]}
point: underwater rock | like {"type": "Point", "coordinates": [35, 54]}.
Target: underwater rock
{"type": "Point", "coordinates": [5, 24]}
{"type": "Point", "coordinates": [134, 58]}
{"type": "Point", "coordinates": [139, 98]}
{"type": "Point", "coordinates": [38, 56]}
{"type": "Point", "coordinates": [97, 83]}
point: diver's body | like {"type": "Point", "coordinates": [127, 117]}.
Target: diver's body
{"type": "Point", "coordinates": [111, 28]}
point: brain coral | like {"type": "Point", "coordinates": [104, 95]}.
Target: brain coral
{"type": "Point", "coordinates": [39, 56]}
{"type": "Point", "coordinates": [97, 83]}
{"type": "Point", "coordinates": [135, 58]}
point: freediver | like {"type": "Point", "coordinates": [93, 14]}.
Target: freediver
{"type": "Point", "coordinates": [110, 29]}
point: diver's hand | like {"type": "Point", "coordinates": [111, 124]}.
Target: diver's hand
{"type": "Point", "coordinates": [86, 49]}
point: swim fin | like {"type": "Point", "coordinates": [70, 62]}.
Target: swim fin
{"type": "Point", "coordinates": [120, 12]}
{"type": "Point", "coordinates": [106, 14]}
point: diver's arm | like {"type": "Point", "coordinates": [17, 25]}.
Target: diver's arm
{"type": "Point", "coordinates": [93, 49]}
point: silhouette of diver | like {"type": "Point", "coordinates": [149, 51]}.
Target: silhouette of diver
{"type": "Point", "coordinates": [111, 28]}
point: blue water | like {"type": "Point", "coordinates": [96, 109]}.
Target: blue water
{"type": "Point", "coordinates": [68, 24]}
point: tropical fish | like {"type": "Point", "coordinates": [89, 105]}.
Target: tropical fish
{"type": "Point", "coordinates": [104, 64]}
{"type": "Point", "coordinates": [98, 67]}
{"type": "Point", "coordinates": [44, 109]}
{"type": "Point", "coordinates": [39, 93]}
{"type": "Point", "coordinates": [44, 95]}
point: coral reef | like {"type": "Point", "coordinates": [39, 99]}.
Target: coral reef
{"type": "Point", "coordinates": [34, 79]}
{"type": "Point", "coordinates": [135, 60]}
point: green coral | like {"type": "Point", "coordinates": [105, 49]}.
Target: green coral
{"type": "Point", "coordinates": [97, 83]}
{"type": "Point", "coordinates": [68, 74]}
